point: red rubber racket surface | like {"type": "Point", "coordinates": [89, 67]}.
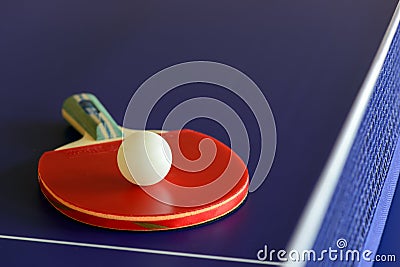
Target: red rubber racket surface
{"type": "Point", "coordinates": [85, 184]}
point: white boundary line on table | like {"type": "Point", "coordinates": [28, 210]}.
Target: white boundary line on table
{"type": "Point", "coordinates": [139, 250]}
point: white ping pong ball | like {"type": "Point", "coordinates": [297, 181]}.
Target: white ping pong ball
{"type": "Point", "coordinates": [144, 158]}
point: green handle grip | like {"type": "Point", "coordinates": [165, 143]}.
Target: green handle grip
{"type": "Point", "coordinates": [88, 116]}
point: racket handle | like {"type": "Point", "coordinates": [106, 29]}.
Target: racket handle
{"type": "Point", "coordinates": [88, 116]}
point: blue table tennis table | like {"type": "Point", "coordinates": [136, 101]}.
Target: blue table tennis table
{"type": "Point", "coordinates": [329, 70]}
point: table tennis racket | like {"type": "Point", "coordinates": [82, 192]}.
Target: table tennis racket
{"type": "Point", "coordinates": [82, 179]}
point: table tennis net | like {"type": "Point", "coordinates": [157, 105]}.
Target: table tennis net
{"type": "Point", "coordinates": [355, 200]}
